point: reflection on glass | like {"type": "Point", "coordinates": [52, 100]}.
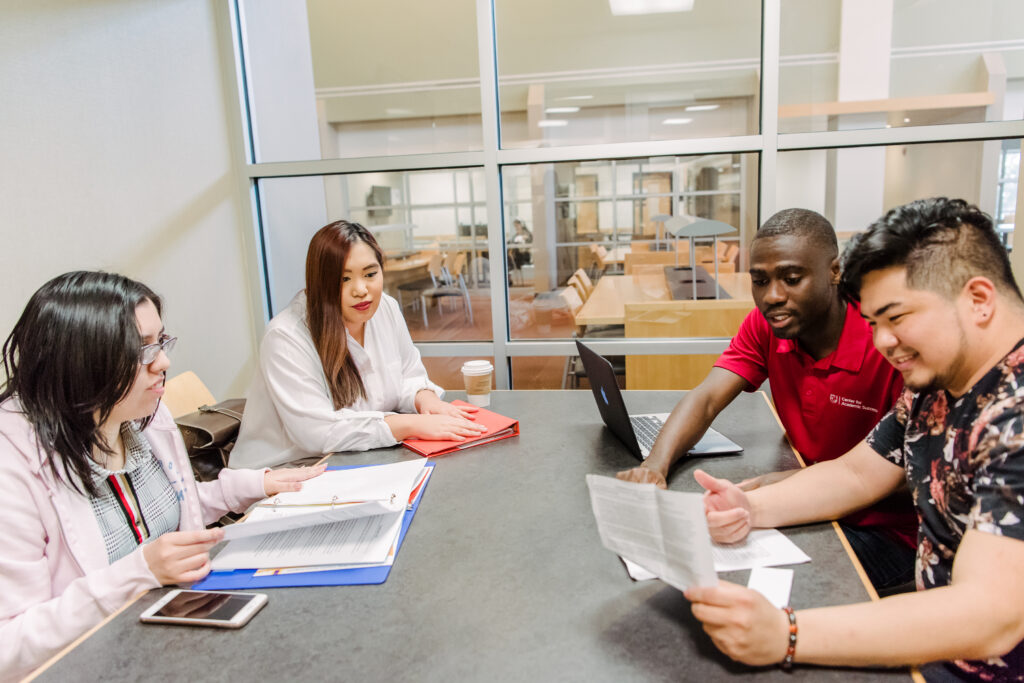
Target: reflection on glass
{"type": "Point", "coordinates": [850, 65]}
{"type": "Point", "coordinates": [334, 79]}
{"type": "Point", "coordinates": [431, 225]}
{"type": "Point", "coordinates": [854, 187]}
{"type": "Point", "coordinates": [447, 372]}
{"type": "Point", "coordinates": [548, 372]}
{"type": "Point", "coordinates": [570, 225]}
{"type": "Point", "coordinates": [578, 73]}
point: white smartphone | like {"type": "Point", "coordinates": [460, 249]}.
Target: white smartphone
{"type": "Point", "coordinates": [205, 608]}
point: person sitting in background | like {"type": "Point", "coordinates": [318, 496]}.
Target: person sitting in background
{"type": "Point", "coordinates": [935, 284]}
{"type": "Point", "coordinates": [99, 502]}
{"type": "Point", "coordinates": [337, 369]}
{"type": "Point", "coordinates": [522, 235]}
{"type": "Point", "coordinates": [828, 384]}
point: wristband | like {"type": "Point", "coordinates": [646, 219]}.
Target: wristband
{"type": "Point", "coordinates": [787, 661]}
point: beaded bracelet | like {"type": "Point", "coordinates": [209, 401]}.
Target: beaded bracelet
{"type": "Point", "coordinates": [787, 661]}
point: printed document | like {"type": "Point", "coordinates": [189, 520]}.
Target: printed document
{"type": "Point", "coordinates": [662, 531]}
{"type": "Point", "coordinates": [348, 517]}
{"type": "Point", "coordinates": [761, 548]}
{"type": "Point", "coordinates": [334, 496]}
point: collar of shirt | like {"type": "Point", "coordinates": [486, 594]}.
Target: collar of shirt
{"type": "Point", "coordinates": [849, 354]}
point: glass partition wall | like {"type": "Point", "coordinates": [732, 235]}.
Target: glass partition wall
{"type": "Point", "coordinates": [534, 170]}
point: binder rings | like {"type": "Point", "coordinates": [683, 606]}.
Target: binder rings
{"type": "Point", "coordinates": [498, 427]}
{"type": "Point", "coordinates": [354, 576]}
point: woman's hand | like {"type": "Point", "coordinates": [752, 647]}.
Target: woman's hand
{"type": "Point", "coordinates": [427, 403]}
{"type": "Point", "coordinates": [433, 427]}
{"type": "Point", "coordinates": [289, 479]}
{"type": "Point", "coordinates": [181, 556]}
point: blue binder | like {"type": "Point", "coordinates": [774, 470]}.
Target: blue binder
{"type": "Point", "coordinates": [244, 579]}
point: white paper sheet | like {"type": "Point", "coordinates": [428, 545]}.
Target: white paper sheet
{"type": "Point", "coordinates": [324, 525]}
{"type": "Point", "coordinates": [390, 560]}
{"type": "Point", "coordinates": [772, 583]}
{"type": "Point", "coordinates": [663, 531]}
{"type": "Point", "coordinates": [384, 489]}
{"type": "Point", "coordinates": [762, 548]}
{"type": "Point", "coordinates": [363, 540]}
{"type": "Point", "coordinates": [358, 484]}
{"type": "Point", "coordinates": [636, 572]}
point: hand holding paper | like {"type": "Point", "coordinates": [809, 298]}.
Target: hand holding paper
{"type": "Point", "coordinates": [663, 531]}
{"type": "Point", "coordinates": [741, 622]}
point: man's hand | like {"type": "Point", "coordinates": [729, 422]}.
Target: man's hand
{"type": "Point", "coordinates": [741, 622]}
{"type": "Point", "coordinates": [643, 475]}
{"type": "Point", "coordinates": [765, 480]}
{"type": "Point", "coordinates": [726, 507]}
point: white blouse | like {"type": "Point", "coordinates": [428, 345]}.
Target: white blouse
{"type": "Point", "coordinates": [289, 413]}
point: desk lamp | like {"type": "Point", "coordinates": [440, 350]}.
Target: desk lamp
{"type": "Point", "coordinates": [694, 228]}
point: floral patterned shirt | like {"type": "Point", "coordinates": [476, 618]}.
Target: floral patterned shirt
{"type": "Point", "coordinates": [964, 460]}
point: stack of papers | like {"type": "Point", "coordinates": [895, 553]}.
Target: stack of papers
{"type": "Point", "coordinates": [343, 518]}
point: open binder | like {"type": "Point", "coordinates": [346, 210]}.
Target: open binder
{"type": "Point", "coordinates": [498, 427]}
{"type": "Point", "coordinates": [239, 579]}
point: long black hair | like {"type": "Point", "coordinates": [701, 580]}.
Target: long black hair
{"type": "Point", "coordinates": [73, 354]}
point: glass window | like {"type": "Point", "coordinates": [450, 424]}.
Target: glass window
{"type": "Point", "coordinates": [849, 65]}
{"type": "Point", "coordinates": [446, 372]}
{"type": "Point", "coordinates": [600, 220]}
{"type": "Point", "coordinates": [854, 187]}
{"type": "Point", "coordinates": [548, 372]}
{"type": "Point", "coordinates": [433, 235]}
{"type": "Point", "coordinates": [597, 72]}
{"type": "Point", "coordinates": [333, 79]}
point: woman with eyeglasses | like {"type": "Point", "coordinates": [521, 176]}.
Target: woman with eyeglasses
{"type": "Point", "coordinates": [98, 498]}
{"type": "Point", "coordinates": [338, 370]}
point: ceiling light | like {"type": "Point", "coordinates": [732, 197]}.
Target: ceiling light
{"type": "Point", "coordinates": [623, 7]}
{"type": "Point", "coordinates": [906, 120]}
{"type": "Point", "coordinates": [577, 97]}
{"type": "Point", "coordinates": [552, 123]}
{"type": "Point", "coordinates": [676, 122]}
{"type": "Point", "coordinates": [561, 110]}
{"type": "Point", "coordinates": [702, 107]}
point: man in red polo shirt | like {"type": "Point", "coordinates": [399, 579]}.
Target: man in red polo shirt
{"type": "Point", "coordinates": [829, 384]}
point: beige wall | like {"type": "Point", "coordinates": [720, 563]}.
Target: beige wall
{"type": "Point", "coordinates": [117, 156]}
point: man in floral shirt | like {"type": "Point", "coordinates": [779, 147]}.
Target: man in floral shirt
{"type": "Point", "coordinates": [935, 284]}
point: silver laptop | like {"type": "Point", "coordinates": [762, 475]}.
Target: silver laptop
{"type": "Point", "coordinates": [638, 432]}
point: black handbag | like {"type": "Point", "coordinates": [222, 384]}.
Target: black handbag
{"type": "Point", "coordinates": [209, 435]}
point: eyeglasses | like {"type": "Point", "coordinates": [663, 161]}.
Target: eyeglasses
{"type": "Point", "coordinates": [149, 352]}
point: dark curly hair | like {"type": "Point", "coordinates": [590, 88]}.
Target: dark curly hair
{"type": "Point", "coordinates": [942, 242]}
{"type": "Point", "coordinates": [804, 223]}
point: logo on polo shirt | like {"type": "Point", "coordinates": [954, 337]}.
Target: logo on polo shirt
{"type": "Point", "coordinates": [844, 402]}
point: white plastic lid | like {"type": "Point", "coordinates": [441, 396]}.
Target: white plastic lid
{"type": "Point", "coordinates": [477, 367]}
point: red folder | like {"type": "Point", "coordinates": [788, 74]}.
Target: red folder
{"type": "Point", "coordinates": [498, 427]}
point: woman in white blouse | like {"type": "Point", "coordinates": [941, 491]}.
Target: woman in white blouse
{"type": "Point", "coordinates": [338, 370]}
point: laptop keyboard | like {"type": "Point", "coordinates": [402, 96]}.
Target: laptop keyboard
{"type": "Point", "coordinates": [646, 428]}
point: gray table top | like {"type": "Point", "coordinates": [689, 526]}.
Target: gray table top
{"type": "Point", "coordinates": [502, 577]}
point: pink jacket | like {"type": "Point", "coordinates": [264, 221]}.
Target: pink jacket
{"type": "Point", "coordinates": [55, 579]}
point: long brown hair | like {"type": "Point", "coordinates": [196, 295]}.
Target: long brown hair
{"type": "Point", "coordinates": [325, 264]}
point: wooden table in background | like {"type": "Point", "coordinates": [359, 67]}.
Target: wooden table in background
{"type": "Point", "coordinates": [607, 303]}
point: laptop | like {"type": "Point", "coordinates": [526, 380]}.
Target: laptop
{"type": "Point", "coordinates": [638, 432]}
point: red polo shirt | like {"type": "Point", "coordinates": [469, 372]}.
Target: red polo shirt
{"type": "Point", "coordinates": [827, 406]}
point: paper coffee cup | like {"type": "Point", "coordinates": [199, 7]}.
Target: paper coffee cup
{"type": "Point", "coordinates": [477, 376]}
